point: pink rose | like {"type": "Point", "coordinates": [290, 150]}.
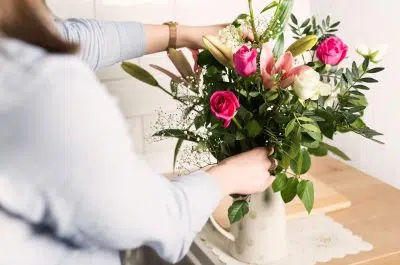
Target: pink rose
{"type": "Point", "coordinates": [224, 105]}
{"type": "Point", "coordinates": [332, 51]}
{"type": "Point", "coordinates": [245, 61]}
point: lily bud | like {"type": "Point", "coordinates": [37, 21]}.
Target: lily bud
{"type": "Point", "coordinates": [222, 53]}
{"type": "Point", "coordinates": [375, 54]}
{"type": "Point", "coordinates": [378, 53]}
{"type": "Point", "coordinates": [302, 45]}
{"type": "Point", "coordinates": [363, 50]}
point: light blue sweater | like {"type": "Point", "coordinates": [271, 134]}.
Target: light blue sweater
{"type": "Point", "coordinates": [72, 192]}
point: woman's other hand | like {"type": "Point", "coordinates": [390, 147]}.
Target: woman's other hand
{"type": "Point", "coordinates": [245, 173]}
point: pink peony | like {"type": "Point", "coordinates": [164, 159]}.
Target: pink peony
{"type": "Point", "coordinates": [332, 51]}
{"type": "Point", "coordinates": [224, 105]}
{"type": "Point", "coordinates": [281, 72]}
{"type": "Point", "coordinates": [245, 61]}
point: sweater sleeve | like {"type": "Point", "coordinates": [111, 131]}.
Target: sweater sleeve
{"type": "Point", "coordinates": [104, 43]}
{"type": "Point", "coordinates": [97, 191]}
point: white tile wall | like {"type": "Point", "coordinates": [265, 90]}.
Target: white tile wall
{"type": "Point", "coordinates": [72, 8]}
{"type": "Point", "coordinates": [137, 100]}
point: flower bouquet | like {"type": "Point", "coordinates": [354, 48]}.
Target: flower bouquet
{"type": "Point", "coordinates": [244, 94]}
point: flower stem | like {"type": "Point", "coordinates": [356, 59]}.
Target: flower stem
{"type": "Point", "coordinates": [237, 123]}
{"type": "Point", "coordinates": [252, 21]}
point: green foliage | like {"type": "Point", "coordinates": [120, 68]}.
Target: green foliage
{"type": "Point", "coordinates": [280, 182]}
{"type": "Point", "coordinates": [297, 129]}
{"type": "Point", "coordinates": [238, 210]}
{"type": "Point", "coordinates": [305, 191]}
{"type": "Point", "coordinates": [290, 190]}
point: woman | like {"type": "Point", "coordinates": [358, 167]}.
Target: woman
{"type": "Point", "coordinates": [71, 189]}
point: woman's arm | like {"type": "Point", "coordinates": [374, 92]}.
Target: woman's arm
{"type": "Point", "coordinates": [104, 43]}
{"type": "Point", "coordinates": [95, 190]}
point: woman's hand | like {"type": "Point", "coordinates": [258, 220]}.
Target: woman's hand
{"type": "Point", "coordinates": [246, 173]}
{"type": "Point", "coordinates": [192, 37]}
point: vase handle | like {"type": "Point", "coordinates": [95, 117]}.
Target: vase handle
{"type": "Point", "coordinates": [222, 231]}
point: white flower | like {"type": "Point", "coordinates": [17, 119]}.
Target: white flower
{"type": "Point", "coordinates": [307, 85]}
{"type": "Point", "coordinates": [363, 50]}
{"type": "Point", "coordinates": [376, 54]}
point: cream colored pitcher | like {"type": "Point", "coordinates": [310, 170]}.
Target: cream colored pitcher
{"type": "Point", "coordinates": [260, 237]}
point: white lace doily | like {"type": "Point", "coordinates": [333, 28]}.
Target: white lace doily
{"type": "Point", "coordinates": [313, 239]}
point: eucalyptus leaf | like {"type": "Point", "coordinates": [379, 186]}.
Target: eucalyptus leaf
{"type": "Point", "coordinates": [375, 70]}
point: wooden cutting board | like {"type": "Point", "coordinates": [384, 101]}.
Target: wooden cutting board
{"type": "Point", "coordinates": [326, 200]}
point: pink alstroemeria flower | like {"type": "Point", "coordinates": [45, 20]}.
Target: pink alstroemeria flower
{"type": "Point", "coordinates": [281, 72]}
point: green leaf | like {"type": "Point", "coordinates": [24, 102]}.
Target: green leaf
{"type": "Point", "coordinates": [240, 136]}
{"type": "Point", "coordinates": [177, 148]}
{"type": "Point", "coordinates": [311, 128]}
{"type": "Point", "coordinates": [305, 23]}
{"type": "Point", "coordinates": [334, 25]}
{"type": "Point", "coordinates": [368, 80]}
{"type": "Point", "coordinates": [355, 71]}
{"type": "Point", "coordinates": [365, 64]}
{"type": "Point", "coordinates": [356, 109]}
{"type": "Point", "coordinates": [280, 182]}
{"type": "Point", "coordinates": [205, 58]}
{"type": "Point", "coordinates": [139, 73]}
{"type": "Point", "coordinates": [306, 119]}
{"type": "Point", "coordinates": [264, 108]}
{"type": "Point", "coordinates": [319, 151]}
{"type": "Point", "coordinates": [302, 163]}
{"type": "Point", "coordinates": [238, 210]}
{"type": "Point", "coordinates": [335, 151]}
{"type": "Point", "coordinates": [290, 127]}
{"type": "Point", "coordinates": [279, 46]}
{"type": "Point", "coordinates": [272, 96]}
{"type": "Point", "coordinates": [362, 87]}
{"type": "Point", "coordinates": [230, 139]}
{"type": "Point", "coordinates": [180, 134]}
{"type": "Point", "coordinates": [244, 113]}
{"type": "Point", "coordinates": [253, 128]}
{"type": "Point", "coordinates": [290, 190]}
{"type": "Point", "coordinates": [294, 19]}
{"type": "Point", "coordinates": [270, 6]}
{"type": "Point", "coordinates": [305, 191]}
{"type": "Point", "coordinates": [375, 70]}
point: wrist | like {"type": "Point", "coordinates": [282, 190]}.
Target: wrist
{"type": "Point", "coordinates": [221, 175]}
{"type": "Point", "coordinates": [185, 36]}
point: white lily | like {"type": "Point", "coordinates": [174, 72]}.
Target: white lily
{"type": "Point", "coordinates": [376, 54]}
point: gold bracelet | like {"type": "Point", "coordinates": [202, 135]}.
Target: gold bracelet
{"type": "Point", "coordinates": [172, 34]}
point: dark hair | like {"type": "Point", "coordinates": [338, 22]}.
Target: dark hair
{"type": "Point", "coordinates": [26, 22]}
